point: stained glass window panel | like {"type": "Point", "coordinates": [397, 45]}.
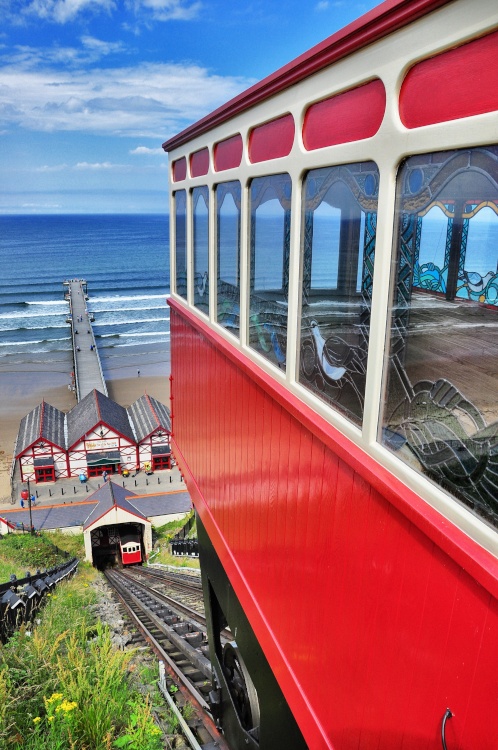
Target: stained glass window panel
{"type": "Point", "coordinates": [441, 400]}
{"type": "Point", "coordinates": [338, 248]}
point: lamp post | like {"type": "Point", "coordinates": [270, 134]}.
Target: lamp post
{"type": "Point", "coordinates": [26, 495]}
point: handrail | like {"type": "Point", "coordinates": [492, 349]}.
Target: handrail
{"type": "Point", "coordinates": [447, 715]}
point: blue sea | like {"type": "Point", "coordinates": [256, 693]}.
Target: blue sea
{"type": "Point", "coordinates": [125, 260]}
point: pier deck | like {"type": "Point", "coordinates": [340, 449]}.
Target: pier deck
{"type": "Point", "coordinates": [87, 368]}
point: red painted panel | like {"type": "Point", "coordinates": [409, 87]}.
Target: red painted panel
{"type": "Point", "coordinates": [228, 154]}
{"type": "Point", "coordinates": [458, 83]}
{"type": "Point", "coordinates": [350, 116]}
{"type": "Point", "coordinates": [199, 162]}
{"type": "Point", "coordinates": [130, 558]}
{"type": "Point", "coordinates": [179, 169]}
{"type": "Point", "coordinates": [312, 545]}
{"type": "Point", "coordinates": [272, 140]}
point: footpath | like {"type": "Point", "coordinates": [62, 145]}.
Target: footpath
{"type": "Point", "coordinates": [72, 491]}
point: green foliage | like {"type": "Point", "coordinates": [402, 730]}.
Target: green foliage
{"type": "Point", "coordinates": [165, 558]}
{"type": "Point", "coordinates": [166, 532]}
{"type": "Point", "coordinates": [63, 686]}
{"type": "Point", "coordinates": [73, 544]}
{"type": "Point", "coordinates": [29, 551]}
{"type": "Point", "coordinates": [141, 732]}
{"type": "Point", "coordinates": [8, 567]}
{"type": "Point", "coordinates": [188, 712]}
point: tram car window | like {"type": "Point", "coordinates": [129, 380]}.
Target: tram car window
{"type": "Point", "coordinates": [440, 413]}
{"type": "Point", "coordinates": [200, 200]}
{"type": "Point", "coordinates": [181, 242]}
{"type": "Point", "coordinates": [228, 197]}
{"type": "Point", "coordinates": [338, 246]}
{"type": "Point", "coordinates": [269, 272]}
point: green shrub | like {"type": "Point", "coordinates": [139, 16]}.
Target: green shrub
{"type": "Point", "coordinates": [64, 687]}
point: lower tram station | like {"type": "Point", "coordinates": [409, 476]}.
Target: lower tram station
{"type": "Point", "coordinates": [116, 523]}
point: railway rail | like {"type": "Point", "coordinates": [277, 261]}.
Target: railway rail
{"type": "Point", "coordinates": [176, 633]}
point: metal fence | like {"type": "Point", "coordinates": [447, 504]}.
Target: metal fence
{"type": "Point", "coordinates": [20, 598]}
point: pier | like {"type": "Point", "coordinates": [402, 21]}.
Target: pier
{"type": "Point", "coordinates": [87, 368]}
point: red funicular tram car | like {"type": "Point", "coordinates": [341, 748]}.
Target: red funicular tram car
{"type": "Point", "coordinates": [130, 547]}
{"type": "Point", "coordinates": [334, 235]}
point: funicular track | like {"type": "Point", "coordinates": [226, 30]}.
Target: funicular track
{"type": "Point", "coordinates": [176, 633]}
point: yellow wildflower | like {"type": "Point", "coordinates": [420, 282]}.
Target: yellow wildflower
{"type": "Point", "coordinates": [36, 720]}
{"type": "Point", "coordinates": [51, 718]}
{"type": "Point", "coordinates": [54, 697]}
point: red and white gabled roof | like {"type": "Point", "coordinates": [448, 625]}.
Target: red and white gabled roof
{"type": "Point", "coordinates": [94, 411]}
{"type": "Point", "coordinates": [44, 423]}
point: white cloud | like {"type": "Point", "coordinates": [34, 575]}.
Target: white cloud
{"type": "Point", "coordinates": [63, 11]}
{"type": "Point", "coordinates": [67, 11]}
{"type": "Point", "coordinates": [165, 10]}
{"type": "Point", "coordinates": [322, 5]}
{"type": "Point", "coordinates": [91, 51]}
{"type": "Point", "coordinates": [152, 100]}
{"type": "Point", "coordinates": [97, 165]}
{"type": "Point", "coordinates": [41, 206]}
{"type": "Point", "coordinates": [146, 150]}
{"type": "Point", "coordinates": [51, 168]}
{"type": "Point", "coordinates": [100, 48]}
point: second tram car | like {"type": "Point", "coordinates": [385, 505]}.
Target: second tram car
{"type": "Point", "coordinates": [334, 351]}
{"type": "Point", "coordinates": [130, 548]}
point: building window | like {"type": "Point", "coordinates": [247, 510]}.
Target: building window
{"type": "Point", "coordinates": [97, 471]}
{"type": "Point", "coordinates": [161, 462]}
{"type": "Point", "coordinates": [228, 197]}
{"type": "Point", "coordinates": [441, 397]}
{"type": "Point", "coordinates": [45, 474]}
{"type": "Point", "coordinates": [200, 203]}
{"type": "Point", "coordinates": [269, 266]}
{"type": "Point", "coordinates": [181, 243]}
{"type": "Point", "coordinates": [338, 247]}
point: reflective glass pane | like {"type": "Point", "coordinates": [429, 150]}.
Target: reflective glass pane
{"type": "Point", "coordinates": [181, 242]}
{"type": "Point", "coordinates": [338, 247]}
{"type": "Point", "coordinates": [228, 197]}
{"type": "Point", "coordinates": [431, 271]}
{"type": "Point", "coordinates": [269, 266]}
{"type": "Point", "coordinates": [200, 204]}
{"type": "Point", "coordinates": [441, 403]}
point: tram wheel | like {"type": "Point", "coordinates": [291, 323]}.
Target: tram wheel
{"type": "Point", "coordinates": [241, 686]}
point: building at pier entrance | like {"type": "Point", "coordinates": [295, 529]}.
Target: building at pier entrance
{"type": "Point", "coordinates": [95, 436]}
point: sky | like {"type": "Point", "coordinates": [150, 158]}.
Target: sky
{"type": "Point", "coordinates": [90, 89]}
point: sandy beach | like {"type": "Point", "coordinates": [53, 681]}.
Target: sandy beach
{"type": "Point", "coordinates": [24, 386]}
